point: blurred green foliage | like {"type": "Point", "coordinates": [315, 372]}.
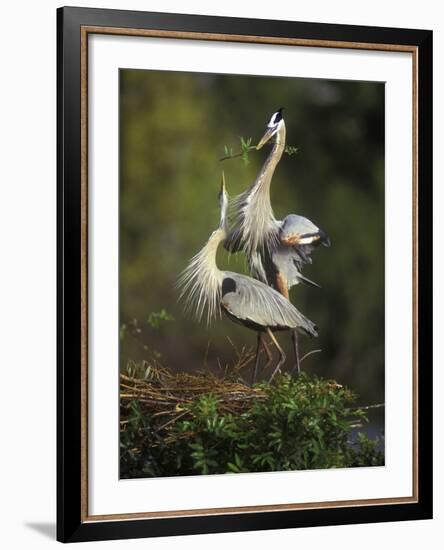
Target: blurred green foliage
{"type": "Point", "coordinates": [173, 130]}
{"type": "Point", "coordinates": [301, 424]}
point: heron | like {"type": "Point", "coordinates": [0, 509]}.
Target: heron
{"type": "Point", "coordinates": [241, 298]}
{"type": "Point", "coordinates": [276, 250]}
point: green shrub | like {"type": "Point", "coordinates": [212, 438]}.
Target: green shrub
{"type": "Point", "coordinates": [293, 424]}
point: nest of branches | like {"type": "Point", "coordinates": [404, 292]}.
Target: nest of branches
{"type": "Point", "coordinates": [161, 392]}
{"type": "Point", "coordinates": [187, 424]}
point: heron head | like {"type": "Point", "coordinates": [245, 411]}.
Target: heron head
{"type": "Point", "coordinates": [274, 125]}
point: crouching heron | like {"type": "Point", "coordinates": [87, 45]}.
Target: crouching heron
{"type": "Point", "coordinates": [243, 299]}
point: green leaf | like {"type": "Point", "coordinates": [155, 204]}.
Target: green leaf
{"type": "Point", "coordinates": [156, 318]}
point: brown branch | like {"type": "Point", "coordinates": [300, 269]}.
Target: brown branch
{"type": "Point", "coordinates": [309, 353]}
{"type": "Point", "coordinates": [172, 421]}
{"type": "Point", "coordinates": [368, 407]}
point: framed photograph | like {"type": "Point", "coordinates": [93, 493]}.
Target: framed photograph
{"type": "Point", "coordinates": [244, 274]}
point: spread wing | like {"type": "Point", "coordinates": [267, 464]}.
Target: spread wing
{"type": "Point", "coordinates": [251, 301]}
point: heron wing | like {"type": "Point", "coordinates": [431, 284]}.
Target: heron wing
{"type": "Point", "coordinates": [299, 231]}
{"type": "Point", "coordinates": [296, 225]}
{"type": "Point", "coordinates": [252, 301]}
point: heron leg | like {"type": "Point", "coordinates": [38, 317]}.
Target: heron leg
{"type": "Point", "coordinates": [256, 361]}
{"type": "Point", "coordinates": [268, 353]}
{"type": "Point", "coordinates": [281, 352]}
{"type": "Point", "coordinates": [261, 341]}
{"type": "Point", "coordinates": [295, 341]}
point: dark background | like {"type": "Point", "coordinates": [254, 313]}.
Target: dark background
{"type": "Point", "coordinates": [173, 129]}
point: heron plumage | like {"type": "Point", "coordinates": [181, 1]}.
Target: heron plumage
{"type": "Point", "coordinates": [250, 301]}
{"type": "Point", "coordinates": [201, 280]}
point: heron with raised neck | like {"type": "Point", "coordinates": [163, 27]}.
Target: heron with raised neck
{"type": "Point", "coordinates": [276, 250]}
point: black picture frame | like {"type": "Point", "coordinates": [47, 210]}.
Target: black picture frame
{"type": "Point", "coordinates": [71, 523]}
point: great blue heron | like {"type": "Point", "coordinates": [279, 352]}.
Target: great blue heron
{"type": "Point", "coordinates": [276, 250]}
{"type": "Point", "coordinates": [243, 299]}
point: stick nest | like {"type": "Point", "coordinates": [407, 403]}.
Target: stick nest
{"type": "Point", "coordinates": [161, 392]}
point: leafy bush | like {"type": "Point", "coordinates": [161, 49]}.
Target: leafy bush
{"type": "Point", "coordinates": [293, 424]}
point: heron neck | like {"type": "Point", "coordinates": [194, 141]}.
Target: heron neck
{"type": "Point", "coordinates": [258, 217]}
{"type": "Point", "coordinates": [260, 191]}
{"type": "Point", "coordinates": [209, 252]}
{"type": "Point", "coordinates": [269, 166]}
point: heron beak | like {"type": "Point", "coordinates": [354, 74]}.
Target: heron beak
{"type": "Point", "coordinates": [268, 134]}
{"type": "Point", "coordinates": [324, 238]}
{"type": "Point", "coordinates": [222, 183]}
{"type": "Point", "coordinates": [223, 202]}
